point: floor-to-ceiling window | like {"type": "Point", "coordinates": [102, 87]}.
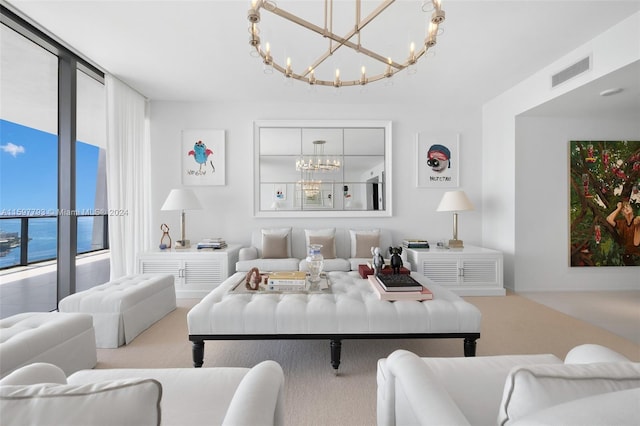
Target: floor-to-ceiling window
{"type": "Point", "coordinates": [52, 174]}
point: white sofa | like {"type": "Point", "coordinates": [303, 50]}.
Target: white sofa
{"type": "Point", "coordinates": [346, 243]}
{"type": "Point", "coordinates": [40, 394]}
{"type": "Point", "coordinates": [593, 386]}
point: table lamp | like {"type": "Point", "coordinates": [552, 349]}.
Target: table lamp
{"type": "Point", "coordinates": [182, 199]}
{"type": "Point", "coordinates": [455, 201]}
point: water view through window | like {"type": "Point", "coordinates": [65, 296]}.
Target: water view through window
{"type": "Point", "coordinates": [28, 189]}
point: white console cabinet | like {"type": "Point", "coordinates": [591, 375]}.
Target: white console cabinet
{"type": "Point", "coordinates": [469, 271]}
{"type": "Point", "coordinates": [196, 272]}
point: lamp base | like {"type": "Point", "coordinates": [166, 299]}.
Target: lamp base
{"type": "Point", "coordinates": [183, 244]}
{"type": "Point", "coordinates": [455, 244]}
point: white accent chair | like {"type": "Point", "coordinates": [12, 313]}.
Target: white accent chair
{"type": "Point", "coordinates": [593, 386]}
{"type": "Point", "coordinates": [41, 394]}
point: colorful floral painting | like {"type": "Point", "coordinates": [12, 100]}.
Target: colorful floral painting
{"type": "Point", "coordinates": [605, 203]}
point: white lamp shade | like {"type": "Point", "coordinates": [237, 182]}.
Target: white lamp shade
{"type": "Point", "coordinates": [454, 201]}
{"type": "Point", "coordinates": [181, 199]}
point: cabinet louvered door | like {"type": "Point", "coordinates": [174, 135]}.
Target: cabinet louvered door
{"type": "Point", "coordinates": [441, 271]}
{"type": "Point", "coordinates": [148, 266]}
{"type": "Point", "coordinates": [197, 272]}
{"type": "Point", "coordinates": [471, 271]}
{"type": "Point", "coordinates": [203, 274]}
{"type": "Point", "coordinates": [479, 271]}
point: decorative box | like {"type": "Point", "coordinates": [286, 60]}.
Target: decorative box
{"type": "Point", "coordinates": [365, 271]}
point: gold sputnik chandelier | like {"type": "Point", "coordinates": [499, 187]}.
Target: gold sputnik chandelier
{"type": "Point", "coordinates": [386, 65]}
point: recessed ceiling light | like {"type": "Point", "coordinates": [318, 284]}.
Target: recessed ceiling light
{"type": "Point", "coordinates": [610, 92]}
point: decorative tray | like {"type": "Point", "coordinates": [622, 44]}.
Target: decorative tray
{"type": "Point", "coordinates": [323, 286]}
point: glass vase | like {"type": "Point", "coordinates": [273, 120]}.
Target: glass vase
{"type": "Point", "coordinates": [315, 262]}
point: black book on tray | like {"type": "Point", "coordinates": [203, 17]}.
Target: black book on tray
{"type": "Point", "coordinates": [399, 282]}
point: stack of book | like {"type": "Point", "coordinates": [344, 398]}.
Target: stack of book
{"type": "Point", "coordinates": [398, 287]}
{"type": "Point", "coordinates": [287, 281]}
{"type": "Point", "coordinates": [415, 244]}
{"type": "Point", "coordinates": [212, 243]}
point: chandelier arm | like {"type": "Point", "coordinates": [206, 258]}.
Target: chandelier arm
{"type": "Point", "coordinates": [327, 32]}
{"type": "Point", "coordinates": [341, 40]}
{"type": "Point", "coordinates": [378, 10]}
{"type": "Point", "coordinates": [329, 28]}
{"type": "Point", "coordinates": [317, 62]}
{"type": "Point", "coordinates": [303, 78]}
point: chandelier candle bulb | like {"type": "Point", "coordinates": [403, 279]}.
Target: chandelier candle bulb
{"type": "Point", "coordinates": [288, 71]}
{"type": "Point", "coordinates": [267, 56]}
{"type": "Point", "coordinates": [431, 39]}
{"type": "Point", "coordinates": [253, 15]}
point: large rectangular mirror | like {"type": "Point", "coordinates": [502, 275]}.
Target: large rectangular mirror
{"type": "Point", "coordinates": [322, 168]}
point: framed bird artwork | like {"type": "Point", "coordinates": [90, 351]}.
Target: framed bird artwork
{"type": "Point", "coordinates": [203, 161]}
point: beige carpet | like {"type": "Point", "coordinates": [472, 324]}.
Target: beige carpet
{"type": "Point", "coordinates": [315, 396]}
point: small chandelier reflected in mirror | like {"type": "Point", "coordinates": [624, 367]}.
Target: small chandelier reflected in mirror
{"type": "Point", "coordinates": [319, 162]}
{"type": "Point", "coordinates": [353, 39]}
{"type": "Point", "coordinates": [310, 188]}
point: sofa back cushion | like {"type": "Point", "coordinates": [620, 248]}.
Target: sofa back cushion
{"type": "Point", "coordinates": [275, 243]}
{"type": "Point", "coordinates": [119, 402]}
{"type": "Point", "coordinates": [362, 241]}
{"type": "Point", "coordinates": [529, 389]}
{"type": "Point", "coordinates": [274, 246]}
{"type": "Point", "coordinates": [325, 237]}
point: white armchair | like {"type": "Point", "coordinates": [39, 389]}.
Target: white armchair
{"type": "Point", "coordinates": [171, 396]}
{"type": "Point", "coordinates": [594, 383]}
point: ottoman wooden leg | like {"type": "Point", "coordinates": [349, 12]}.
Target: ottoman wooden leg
{"type": "Point", "coordinates": [469, 346]}
{"type": "Point", "coordinates": [336, 347]}
{"type": "Point", "coordinates": [198, 353]}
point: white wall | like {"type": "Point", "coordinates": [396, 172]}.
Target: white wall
{"type": "Point", "coordinates": [542, 204]}
{"type": "Point", "coordinates": [229, 210]}
{"type": "Point", "coordinates": [612, 50]}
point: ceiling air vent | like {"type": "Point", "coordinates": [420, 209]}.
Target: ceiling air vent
{"type": "Point", "coordinates": [572, 71]}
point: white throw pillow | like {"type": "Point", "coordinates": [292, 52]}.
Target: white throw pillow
{"type": "Point", "coordinates": [280, 232]}
{"type": "Point", "coordinates": [325, 237]}
{"type": "Point", "coordinates": [118, 402]}
{"type": "Point", "coordinates": [360, 239]}
{"type": "Point", "coordinates": [35, 373]}
{"type": "Point", "coordinates": [621, 408]}
{"type": "Point", "coordinates": [530, 389]}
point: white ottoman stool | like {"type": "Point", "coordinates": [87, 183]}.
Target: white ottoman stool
{"type": "Point", "coordinates": [66, 340]}
{"type": "Point", "coordinates": [124, 308]}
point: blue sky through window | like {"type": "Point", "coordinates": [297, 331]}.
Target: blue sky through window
{"type": "Point", "coordinates": [29, 170]}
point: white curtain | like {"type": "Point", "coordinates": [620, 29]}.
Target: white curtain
{"type": "Point", "coordinates": [128, 175]}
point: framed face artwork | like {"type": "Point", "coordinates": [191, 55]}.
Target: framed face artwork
{"type": "Point", "coordinates": [437, 162]}
{"type": "Point", "coordinates": [203, 157]}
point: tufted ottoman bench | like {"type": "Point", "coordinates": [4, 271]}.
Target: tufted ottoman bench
{"type": "Point", "coordinates": [124, 308]}
{"type": "Point", "coordinates": [66, 340]}
{"type": "Point", "coordinates": [348, 310]}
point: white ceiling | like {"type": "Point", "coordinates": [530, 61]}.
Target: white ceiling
{"type": "Point", "coordinates": [198, 50]}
